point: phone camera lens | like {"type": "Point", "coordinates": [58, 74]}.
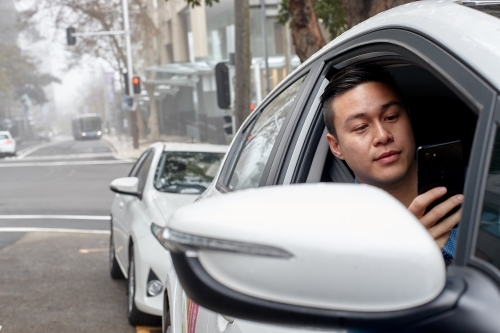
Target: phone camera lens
{"type": "Point", "coordinates": [428, 156]}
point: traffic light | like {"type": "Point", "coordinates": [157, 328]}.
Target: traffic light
{"type": "Point", "coordinates": [223, 86]}
{"type": "Point", "coordinates": [69, 36]}
{"type": "Point", "coordinates": [125, 79]}
{"type": "Point", "coordinates": [228, 124]}
{"type": "Point", "coordinates": [136, 83]}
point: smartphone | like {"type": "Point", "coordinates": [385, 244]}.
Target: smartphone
{"type": "Point", "coordinates": [441, 165]}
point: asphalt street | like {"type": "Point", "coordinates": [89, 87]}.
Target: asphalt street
{"type": "Point", "coordinates": [54, 239]}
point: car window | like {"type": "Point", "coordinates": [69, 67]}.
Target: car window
{"type": "Point", "coordinates": [259, 142]}
{"type": "Point", "coordinates": [143, 171]}
{"type": "Point", "coordinates": [186, 172]}
{"type": "Point", "coordinates": [3, 137]}
{"type": "Point", "coordinates": [488, 241]}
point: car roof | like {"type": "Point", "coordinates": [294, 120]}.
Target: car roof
{"type": "Point", "coordinates": [5, 132]}
{"type": "Point", "coordinates": [469, 34]}
{"type": "Point", "coordinates": [195, 147]}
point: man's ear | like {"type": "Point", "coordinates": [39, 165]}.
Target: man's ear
{"type": "Point", "coordinates": [334, 146]}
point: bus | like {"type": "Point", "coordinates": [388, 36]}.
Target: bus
{"type": "Point", "coordinates": [86, 126]}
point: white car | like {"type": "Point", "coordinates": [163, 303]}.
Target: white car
{"type": "Point", "coordinates": [166, 176]}
{"type": "Point", "coordinates": [7, 144]}
{"type": "Point", "coordinates": [323, 255]}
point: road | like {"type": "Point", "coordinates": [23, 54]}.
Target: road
{"type": "Point", "coordinates": [54, 239]}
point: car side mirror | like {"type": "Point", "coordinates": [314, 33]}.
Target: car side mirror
{"type": "Point", "coordinates": [126, 185]}
{"type": "Point", "coordinates": [312, 255]}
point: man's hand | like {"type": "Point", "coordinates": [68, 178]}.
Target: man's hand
{"type": "Point", "coordinates": [441, 231]}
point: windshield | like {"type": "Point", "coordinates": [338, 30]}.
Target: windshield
{"type": "Point", "coordinates": [90, 124]}
{"type": "Point", "coordinates": [186, 172]}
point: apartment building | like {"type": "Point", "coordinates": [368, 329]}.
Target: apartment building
{"type": "Point", "coordinates": [178, 69]}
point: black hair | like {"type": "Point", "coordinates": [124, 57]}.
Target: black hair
{"type": "Point", "coordinates": [349, 78]}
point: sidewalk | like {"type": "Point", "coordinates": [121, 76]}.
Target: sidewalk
{"type": "Point", "coordinates": [122, 146]}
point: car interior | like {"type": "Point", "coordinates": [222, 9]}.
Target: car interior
{"type": "Point", "coordinates": [438, 116]}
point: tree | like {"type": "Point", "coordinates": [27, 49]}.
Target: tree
{"type": "Point", "coordinates": [336, 15]}
{"type": "Point", "coordinates": [19, 75]}
{"type": "Point", "coordinates": [92, 16]}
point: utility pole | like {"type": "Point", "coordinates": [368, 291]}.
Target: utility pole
{"type": "Point", "coordinates": [242, 61]}
{"type": "Point", "coordinates": [71, 34]}
{"type": "Point", "coordinates": [264, 41]}
{"type": "Point", "coordinates": [133, 111]}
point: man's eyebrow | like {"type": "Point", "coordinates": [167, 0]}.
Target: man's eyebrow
{"type": "Point", "coordinates": [355, 116]}
{"type": "Point", "coordinates": [391, 103]}
{"type": "Point", "coordinates": [383, 107]}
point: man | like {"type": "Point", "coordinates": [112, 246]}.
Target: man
{"type": "Point", "coordinates": [369, 128]}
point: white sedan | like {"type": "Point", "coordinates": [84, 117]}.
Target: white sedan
{"type": "Point", "coordinates": [7, 144]}
{"type": "Point", "coordinates": [165, 177]}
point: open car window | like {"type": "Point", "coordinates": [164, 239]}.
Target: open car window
{"type": "Point", "coordinates": [437, 115]}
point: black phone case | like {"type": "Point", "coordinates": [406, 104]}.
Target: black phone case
{"type": "Point", "coordinates": [441, 165]}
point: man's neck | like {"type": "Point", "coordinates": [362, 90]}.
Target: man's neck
{"type": "Point", "coordinates": [406, 189]}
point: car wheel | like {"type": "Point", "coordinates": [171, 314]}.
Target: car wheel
{"type": "Point", "coordinates": [114, 269]}
{"type": "Point", "coordinates": [135, 316]}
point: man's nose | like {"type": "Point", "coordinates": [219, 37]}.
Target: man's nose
{"type": "Point", "coordinates": [382, 134]}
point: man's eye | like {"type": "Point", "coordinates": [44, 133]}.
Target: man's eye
{"type": "Point", "coordinates": [360, 128]}
{"type": "Point", "coordinates": [392, 117]}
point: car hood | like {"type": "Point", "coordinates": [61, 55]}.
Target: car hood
{"type": "Point", "coordinates": [167, 203]}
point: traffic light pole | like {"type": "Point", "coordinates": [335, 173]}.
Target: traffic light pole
{"type": "Point", "coordinates": [71, 34]}
{"type": "Point", "coordinates": [133, 114]}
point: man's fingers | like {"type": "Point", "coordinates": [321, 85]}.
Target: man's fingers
{"type": "Point", "coordinates": [441, 210]}
{"type": "Point", "coordinates": [420, 203]}
{"type": "Point", "coordinates": [445, 226]}
{"type": "Point", "coordinates": [441, 241]}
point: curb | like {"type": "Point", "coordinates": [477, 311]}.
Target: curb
{"type": "Point", "coordinates": [110, 144]}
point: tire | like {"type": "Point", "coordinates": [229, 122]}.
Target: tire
{"type": "Point", "coordinates": [114, 269]}
{"type": "Point", "coordinates": [134, 315]}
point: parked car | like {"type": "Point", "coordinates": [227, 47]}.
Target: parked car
{"type": "Point", "coordinates": [166, 176]}
{"type": "Point", "coordinates": [334, 256]}
{"type": "Point", "coordinates": [7, 144]}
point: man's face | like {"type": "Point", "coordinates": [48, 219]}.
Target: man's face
{"type": "Point", "coordinates": [374, 134]}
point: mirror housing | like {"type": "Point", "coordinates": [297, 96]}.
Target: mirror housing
{"type": "Point", "coordinates": [321, 255]}
{"type": "Point", "coordinates": [126, 185]}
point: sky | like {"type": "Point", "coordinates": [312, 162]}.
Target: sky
{"type": "Point", "coordinates": [52, 53]}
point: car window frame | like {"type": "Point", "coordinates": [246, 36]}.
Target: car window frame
{"type": "Point", "coordinates": [489, 141]}
{"type": "Point", "coordinates": [137, 165]}
{"type": "Point", "coordinates": [146, 154]}
{"type": "Point", "coordinates": [238, 144]}
{"type": "Point", "coordinates": [460, 78]}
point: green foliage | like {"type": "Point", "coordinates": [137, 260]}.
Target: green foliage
{"type": "Point", "coordinates": [19, 75]}
{"type": "Point", "coordinates": [330, 12]}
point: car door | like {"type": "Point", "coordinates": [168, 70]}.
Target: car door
{"type": "Point", "coordinates": [133, 203]}
{"type": "Point", "coordinates": [246, 167]}
{"type": "Point", "coordinates": [473, 279]}
{"type": "Point", "coordinates": [121, 213]}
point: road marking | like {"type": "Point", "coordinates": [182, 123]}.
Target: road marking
{"type": "Point", "coordinates": [86, 251]}
{"type": "Point", "coordinates": [55, 217]}
{"type": "Point", "coordinates": [42, 164]}
{"type": "Point", "coordinates": [25, 152]}
{"type": "Point", "coordinates": [145, 329]}
{"type": "Point", "coordinates": [61, 157]}
{"type": "Point", "coordinates": [62, 230]}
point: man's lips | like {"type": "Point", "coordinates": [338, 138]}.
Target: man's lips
{"type": "Point", "coordinates": [388, 157]}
